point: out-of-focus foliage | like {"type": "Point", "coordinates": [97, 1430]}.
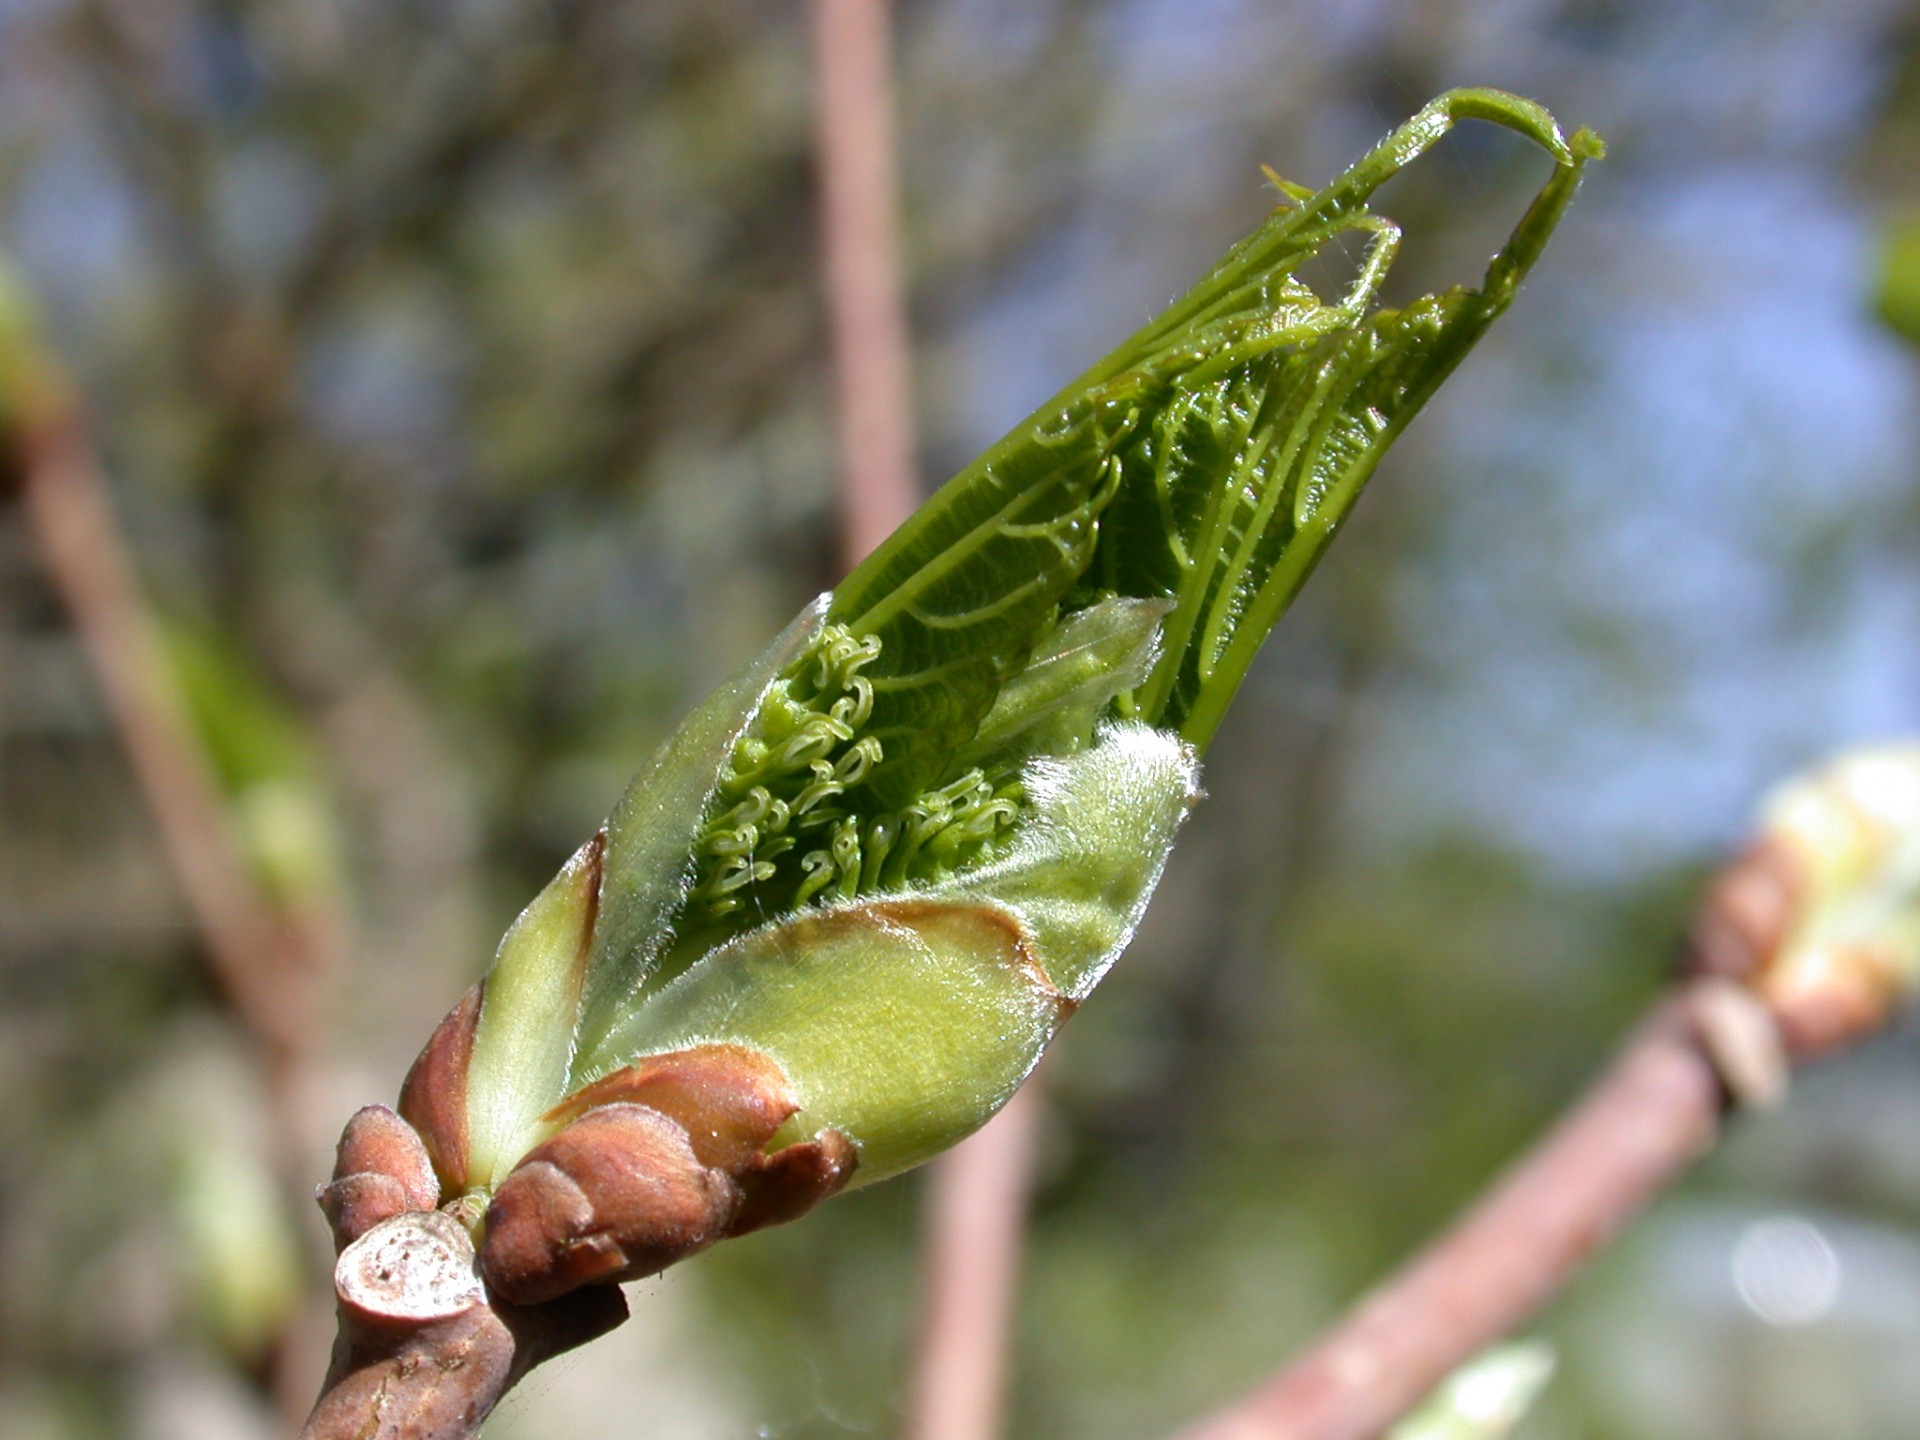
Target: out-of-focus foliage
{"type": "Point", "coordinates": [461, 374]}
{"type": "Point", "coordinates": [1899, 290]}
{"type": "Point", "coordinates": [1484, 1399]}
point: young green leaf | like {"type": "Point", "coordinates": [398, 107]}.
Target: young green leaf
{"type": "Point", "coordinates": [1206, 460]}
{"type": "Point", "coordinates": [570, 965]}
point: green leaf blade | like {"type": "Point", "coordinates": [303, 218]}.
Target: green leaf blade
{"type": "Point", "coordinates": [960, 593]}
{"type": "Point", "coordinates": [651, 833]}
{"type": "Point", "coordinates": [903, 1022]}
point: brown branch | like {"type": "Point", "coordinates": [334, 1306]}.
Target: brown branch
{"type": "Point", "coordinates": [1651, 1115]}
{"type": "Point", "coordinates": [976, 1198]}
{"type": "Point", "coordinates": [1762, 996]}
{"type": "Point", "coordinates": [859, 215]}
{"type": "Point", "coordinates": [1656, 1110]}
{"type": "Point", "coordinates": [269, 962]}
{"type": "Point", "coordinates": [257, 960]}
{"type": "Point", "coordinates": [975, 1226]}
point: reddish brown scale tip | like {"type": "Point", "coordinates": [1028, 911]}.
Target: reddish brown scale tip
{"type": "Point", "coordinates": [788, 1183]}
{"type": "Point", "coordinates": [983, 929]}
{"type": "Point", "coordinates": [381, 1170]}
{"type": "Point", "coordinates": [728, 1098]}
{"type": "Point", "coordinates": [434, 1097]}
{"type": "Point", "coordinates": [1749, 909]}
{"type": "Point", "coordinates": [617, 1195]}
{"type": "Point", "coordinates": [377, 1141]}
{"type": "Point", "coordinates": [660, 1160]}
{"type": "Point", "coordinates": [1832, 999]}
{"type": "Point", "coordinates": [354, 1204]}
{"type": "Point", "coordinates": [731, 1100]}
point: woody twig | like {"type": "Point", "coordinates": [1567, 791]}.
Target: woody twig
{"type": "Point", "coordinates": [1805, 945]}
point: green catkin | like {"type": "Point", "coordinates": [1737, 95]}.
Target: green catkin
{"type": "Point", "coordinates": [793, 822]}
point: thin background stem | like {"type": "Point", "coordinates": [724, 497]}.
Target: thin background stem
{"type": "Point", "coordinates": [865, 294]}
{"type": "Point", "coordinates": [270, 963]}
{"type": "Point", "coordinates": [975, 1231]}
{"type": "Point", "coordinates": [1644, 1122]}
{"type": "Point", "coordinates": [976, 1196]}
{"type": "Point", "coordinates": [68, 511]}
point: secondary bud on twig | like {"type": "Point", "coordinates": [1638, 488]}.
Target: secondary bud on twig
{"type": "Point", "coordinates": [1821, 914]}
{"type": "Point", "coordinates": [381, 1170]}
{"type": "Point", "coordinates": [662, 1161]}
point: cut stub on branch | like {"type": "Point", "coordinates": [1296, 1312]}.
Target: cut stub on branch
{"type": "Point", "coordinates": [423, 1352]}
{"type": "Point", "coordinates": [1820, 915]}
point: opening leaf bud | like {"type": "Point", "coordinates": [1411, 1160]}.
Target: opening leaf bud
{"type": "Point", "coordinates": [835, 920]}
{"type": "Point", "coordinates": [1822, 912]}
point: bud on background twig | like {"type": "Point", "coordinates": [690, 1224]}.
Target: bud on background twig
{"type": "Point", "coordinates": [1821, 914]}
{"type": "Point", "coordinates": [1826, 894]}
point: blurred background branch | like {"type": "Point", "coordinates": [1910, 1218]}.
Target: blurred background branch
{"type": "Point", "coordinates": [264, 969]}
{"type": "Point", "coordinates": [976, 1200]}
{"type": "Point", "coordinates": [865, 292]}
{"type": "Point", "coordinates": [1652, 1115]}
{"type": "Point", "coordinates": [1806, 943]}
{"type": "Point", "coordinates": [271, 960]}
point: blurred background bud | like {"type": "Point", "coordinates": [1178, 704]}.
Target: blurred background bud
{"type": "Point", "coordinates": [242, 1264]}
{"type": "Point", "coordinates": [1822, 914]}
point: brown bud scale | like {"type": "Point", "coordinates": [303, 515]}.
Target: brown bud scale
{"type": "Point", "coordinates": [434, 1096]}
{"type": "Point", "coordinates": [652, 1163]}
{"type": "Point", "coordinates": [617, 1195]}
{"type": "Point", "coordinates": [1748, 912]}
{"type": "Point", "coordinates": [380, 1170]}
{"type": "Point", "coordinates": [788, 1183]}
{"type": "Point", "coordinates": [730, 1099]}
